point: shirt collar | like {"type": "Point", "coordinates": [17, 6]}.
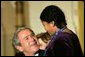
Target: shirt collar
{"type": "Point", "coordinates": [60, 30]}
{"type": "Point", "coordinates": [37, 54]}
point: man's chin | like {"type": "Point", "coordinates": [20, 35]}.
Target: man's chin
{"type": "Point", "coordinates": [35, 48]}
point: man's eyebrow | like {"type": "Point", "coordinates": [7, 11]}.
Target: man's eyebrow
{"type": "Point", "coordinates": [26, 37]}
{"type": "Point", "coordinates": [29, 35]}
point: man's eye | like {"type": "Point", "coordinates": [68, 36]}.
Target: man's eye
{"type": "Point", "coordinates": [26, 38]}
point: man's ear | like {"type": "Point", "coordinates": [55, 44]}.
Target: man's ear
{"type": "Point", "coordinates": [19, 48]}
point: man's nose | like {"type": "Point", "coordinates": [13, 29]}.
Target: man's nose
{"type": "Point", "coordinates": [31, 38]}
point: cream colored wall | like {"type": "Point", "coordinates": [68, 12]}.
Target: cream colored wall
{"type": "Point", "coordinates": [7, 27]}
{"type": "Point", "coordinates": [81, 23]}
{"type": "Point", "coordinates": [36, 7]}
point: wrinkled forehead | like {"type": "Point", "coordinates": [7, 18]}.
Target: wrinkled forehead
{"type": "Point", "coordinates": [24, 32]}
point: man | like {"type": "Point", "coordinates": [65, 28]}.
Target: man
{"type": "Point", "coordinates": [64, 42]}
{"type": "Point", "coordinates": [26, 42]}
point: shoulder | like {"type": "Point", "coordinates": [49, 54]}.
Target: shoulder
{"type": "Point", "coordinates": [64, 37]}
{"type": "Point", "coordinates": [68, 34]}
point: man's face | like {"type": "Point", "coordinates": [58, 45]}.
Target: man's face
{"type": "Point", "coordinates": [28, 41]}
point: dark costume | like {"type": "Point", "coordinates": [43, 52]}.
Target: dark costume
{"type": "Point", "coordinates": [64, 43]}
{"type": "Point", "coordinates": [40, 53]}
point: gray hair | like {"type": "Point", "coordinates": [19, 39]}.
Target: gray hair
{"type": "Point", "coordinates": [15, 40]}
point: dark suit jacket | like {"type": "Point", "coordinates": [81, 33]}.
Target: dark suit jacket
{"type": "Point", "coordinates": [64, 44]}
{"type": "Point", "coordinates": [41, 52]}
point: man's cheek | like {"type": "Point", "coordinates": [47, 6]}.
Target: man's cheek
{"type": "Point", "coordinates": [37, 41]}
